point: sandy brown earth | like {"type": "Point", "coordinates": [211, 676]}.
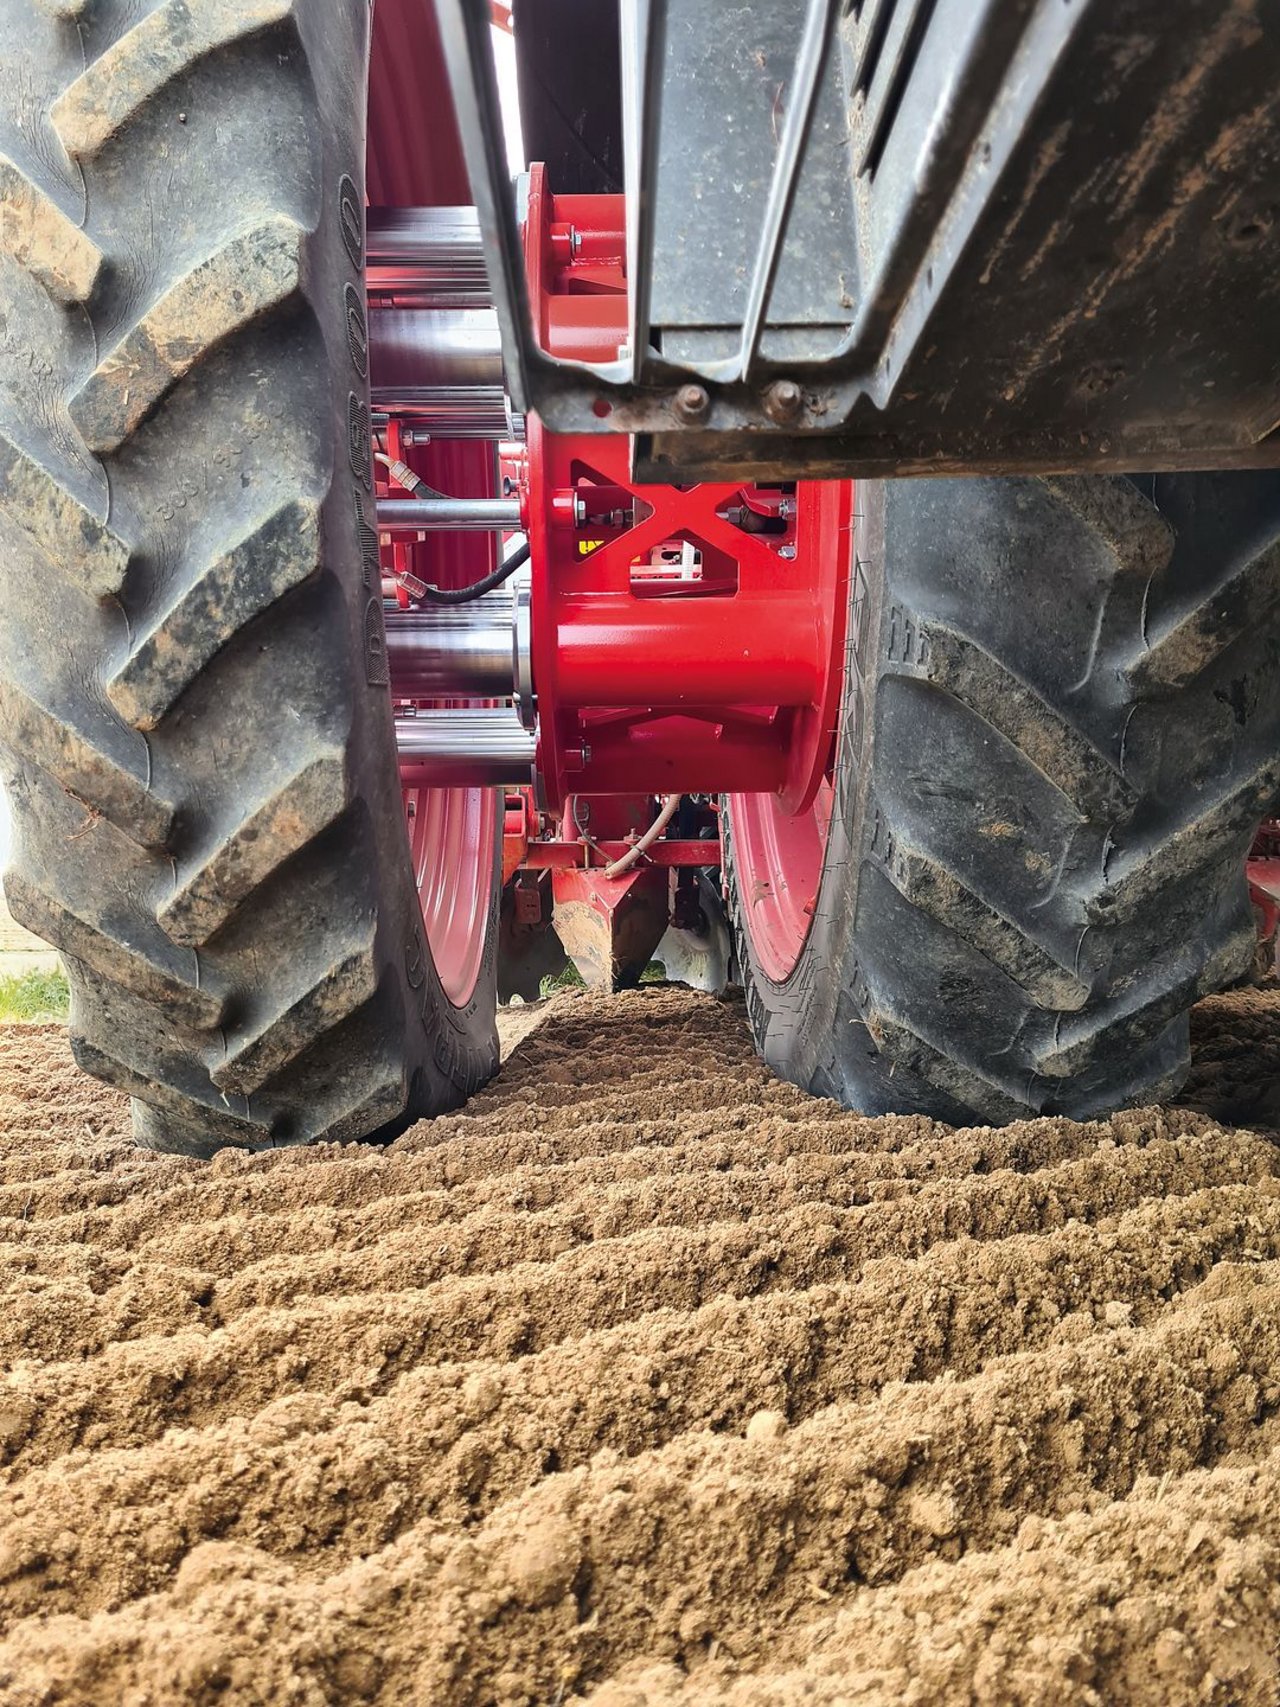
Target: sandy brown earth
{"type": "Point", "coordinates": [645, 1380]}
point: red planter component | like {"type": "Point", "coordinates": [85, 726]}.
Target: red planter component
{"type": "Point", "coordinates": [611, 926]}
{"type": "Point", "coordinates": [683, 638]}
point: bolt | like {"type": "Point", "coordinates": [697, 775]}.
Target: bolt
{"type": "Point", "coordinates": [787, 551]}
{"type": "Point", "coordinates": [692, 402]}
{"type": "Point", "coordinates": [783, 401]}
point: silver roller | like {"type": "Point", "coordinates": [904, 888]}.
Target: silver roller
{"type": "Point", "coordinates": [452, 411]}
{"type": "Point", "coordinates": [433, 254]}
{"type": "Point", "coordinates": [435, 353]}
{"type": "Point", "coordinates": [410, 348]}
{"type": "Point", "coordinates": [454, 651]}
{"type": "Point", "coordinates": [471, 748]}
{"type": "Point", "coordinates": [441, 369]}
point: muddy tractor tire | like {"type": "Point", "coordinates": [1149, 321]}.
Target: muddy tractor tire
{"type": "Point", "coordinates": [1060, 733]}
{"type": "Point", "coordinates": [193, 678]}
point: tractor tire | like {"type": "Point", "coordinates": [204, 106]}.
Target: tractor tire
{"type": "Point", "coordinates": [1062, 711]}
{"type": "Point", "coordinates": [193, 678]}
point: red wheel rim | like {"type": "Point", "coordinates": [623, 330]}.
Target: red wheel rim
{"type": "Point", "coordinates": [415, 160]}
{"type": "Point", "coordinates": [779, 853]}
{"type": "Point", "coordinates": [451, 833]}
{"type": "Point", "coordinates": [779, 857]}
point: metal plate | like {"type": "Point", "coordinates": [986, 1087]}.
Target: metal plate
{"type": "Point", "coordinates": [977, 234]}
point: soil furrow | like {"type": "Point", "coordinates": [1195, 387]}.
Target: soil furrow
{"type": "Point", "coordinates": [645, 1379]}
{"type": "Point", "coordinates": [986, 1206]}
{"type": "Point", "coordinates": [359, 1343]}
{"type": "Point", "coordinates": [1171, 1595]}
{"type": "Point", "coordinates": [705, 1538]}
{"type": "Point", "coordinates": [452, 1441]}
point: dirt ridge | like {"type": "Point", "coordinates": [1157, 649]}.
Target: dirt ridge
{"type": "Point", "coordinates": [645, 1379]}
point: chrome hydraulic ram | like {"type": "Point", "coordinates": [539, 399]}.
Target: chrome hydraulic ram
{"type": "Point", "coordinates": [439, 367]}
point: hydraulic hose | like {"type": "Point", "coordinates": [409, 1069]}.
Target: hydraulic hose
{"type": "Point", "coordinates": [404, 476]}
{"type": "Point", "coordinates": [464, 595]}
{"type": "Point", "coordinates": [638, 849]}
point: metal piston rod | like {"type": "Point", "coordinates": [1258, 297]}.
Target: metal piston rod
{"type": "Point", "coordinates": [435, 352]}
{"type": "Point", "coordinates": [495, 515]}
{"type": "Point", "coordinates": [426, 254]}
{"type": "Point", "coordinates": [451, 411]}
{"type": "Point", "coordinates": [435, 349]}
{"type": "Point", "coordinates": [439, 367]}
{"type": "Point", "coordinates": [435, 358]}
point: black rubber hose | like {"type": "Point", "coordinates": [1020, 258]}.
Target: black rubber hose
{"type": "Point", "coordinates": [477, 589]}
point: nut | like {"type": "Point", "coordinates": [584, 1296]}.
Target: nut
{"type": "Point", "coordinates": [783, 400]}
{"type": "Point", "coordinates": [692, 402]}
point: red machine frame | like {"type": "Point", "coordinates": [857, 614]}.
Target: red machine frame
{"type": "Point", "coordinates": [727, 682]}
{"type": "Point", "coordinates": [684, 640]}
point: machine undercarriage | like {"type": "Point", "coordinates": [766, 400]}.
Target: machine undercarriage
{"type": "Point", "coordinates": [565, 537]}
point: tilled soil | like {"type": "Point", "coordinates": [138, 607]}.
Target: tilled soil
{"type": "Point", "coordinates": [645, 1380]}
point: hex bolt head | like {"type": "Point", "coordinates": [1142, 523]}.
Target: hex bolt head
{"type": "Point", "coordinates": [783, 400]}
{"type": "Point", "coordinates": [692, 402]}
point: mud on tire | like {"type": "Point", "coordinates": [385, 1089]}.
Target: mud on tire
{"type": "Point", "coordinates": [193, 683]}
{"type": "Point", "coordinates": [1060, 734]}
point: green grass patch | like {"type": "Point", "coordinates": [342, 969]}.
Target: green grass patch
{"type": "Point", "coordinates": [568, 978]}
{"type": "Point", "coordinates": [34, 995]}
